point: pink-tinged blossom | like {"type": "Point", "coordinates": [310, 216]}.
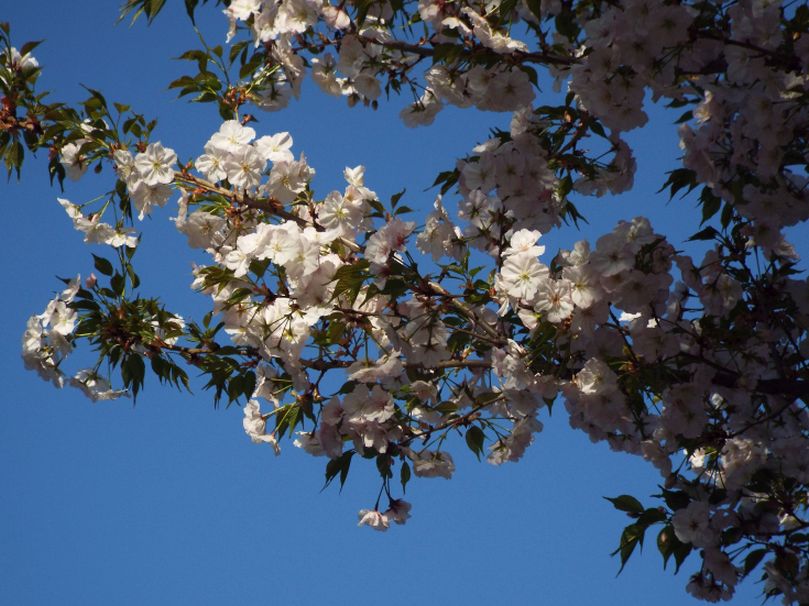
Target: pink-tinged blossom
{"type": "Point", "coordinates": [524, 241]}
{"type": "Point", "coordinates": [232, 137]}
{"type": "Point", "coordinates": [497, 41]}
{"type": "Point", "coordinates": [514, 445]}
{"type": "Point", "coordinates": [362, 404]}
{"type": "Point", "coordinates": [596, 378]}
{"type": "Point", "coordinates": [244, 168]}
{"type": "Point", "coordinates": [147, 196]}
{"type": "Point", "coordinates": [125, 166]}
{"type": "Point", "coordinates": [25, 63]}
{"type": "Point", "coordinates": [341, 215]}
{"type": "Point", "coordinates": [553, 299]}
{"type": "Point", "coordinates": [398, 511]}
{"type": "Point", "coordinates": [47, 339]}
{"type": "Point", "coordinates": [522, 273]}
{"type": "Point", "coordinates": [684, 412]}
{"type": "Point", "coordinates": [355, 175]}
{"type": "Point", "coordinates": [73, 161]}
{"type": "Point", "coordinates": [325, 76]}
{"type": "Point", "coordinates": [503, 91]}
{"type": "Point", "coordinates": [96, 232]}
{"type": "Point", "coordinates": [212, 163]}
{"type": "Point", "coordinates": [335, 17]}
{"type": "Point", "coordinates": [155, 165]}
{"type": "Point", "coordinates": [288, 179]}
{"type": "Point", "coordinates": [373, 519]}
{"type": "Point", "coordinates": [255, 426]}
{"type": "Point", "coordinates": [309, 443]}
{"type": "Point", "coordinates": [202, 229]}
{"type": "Point", "coordinates": [391, 238]}
{"type": "Point", "coordinates": [95, 387]}
{"type": "Point", "coordinates": [692, 524]}
{"type": "Point", "coordinates": [383, 370]}
{"type": "Point", "coordinates": [741, 457]}
{"type": "Point", "coordinates": [275, 148]}
{"type": "Point", "coordinates": [243, 9]}
{"type": "Point", "coordinates": [421, 112]}
{"type": "Point", "coordinates": [295, 16]}
{"type": "Point", "coordinates": [441, 237]}
{"type": "Point", "coordinates": [279, 243]}
{"type": "Point", "coordinates": [428, 464]}
{"type": "Point", "coordinates": [583, 289]}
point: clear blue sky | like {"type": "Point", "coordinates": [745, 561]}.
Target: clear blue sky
{"type": "Point", "coordinates": [168, 502]}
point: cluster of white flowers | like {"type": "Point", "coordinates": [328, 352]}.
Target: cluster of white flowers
{"type": "Point", "coordinates": [26, 63]}
{"type": "Point", "coordinates": [45, 341]}
{"type": "Point", "coordinates": [276, 318]}
{"type": "Point", "coordinates": [696, 366]}
{"type": "Point", "coordinates": [97, 232]}
{"type": "Point", "coordinates": [148, 175]}
{"type": "Point", "coordinates": [398, 512]}
{"type": "Point", "coordinates": [48, 340]}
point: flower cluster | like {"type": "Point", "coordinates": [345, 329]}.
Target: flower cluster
{"type": "Point", "coordinates": [48, 339]}
{"type": "Point", "coordinates": [358, 346]}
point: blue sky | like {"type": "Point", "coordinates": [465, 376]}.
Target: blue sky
{"type": "Point", "coordinates": [169, 502]}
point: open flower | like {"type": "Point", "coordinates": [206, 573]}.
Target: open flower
{"type": "Point", "coordinates": [156, 164]}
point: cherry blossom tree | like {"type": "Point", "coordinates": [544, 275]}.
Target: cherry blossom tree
{"type": "Point", "coordinates": [358, 334]}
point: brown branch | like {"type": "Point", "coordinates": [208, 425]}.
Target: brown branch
{"type": "Point", "coordinates": [445, 364]}
{"type": "Point", "coordinates": [496, 337]}
{"type": "Point", "coordinates": [793, 388]}
{"type": "Point", "coordinates": [429, 51]}
{"type": "Point", "coordinates": [268, 205]}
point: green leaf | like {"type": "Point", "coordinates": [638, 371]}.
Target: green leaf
{"type": "Point", "coordinates": [404, 475]}
{"type": "Point", "coordinates": [665, 543]}
{"type": "Point", "coordinates": [102, 265]}
{"type": "Point", "coordinates": [394, 199]}
{"type": "Point", "coordinates": [96, 95]}
{"type": "Point", "coordinates": [506, 9]}
{"type": "Point", "coordinates": [133, 372]}
{"type": "Point", "coordinates": [535, 6]}
{"type": "Point", "coordinates": [87, 305]}
{"type": "Point", "coordinates": [383, 465]}
{"type": "Point", "coordinates": [349, 279]}
{"type": "Point", "coordinates": [475, 439]}
{"type": "Point", "coordinates": [235, 50]}
{"type": "Point", "coordinates": [709, 233]}
{"type": "Point", "coordinates": [653, 515]}
{"type": "Point", "coordinates": [685, 117]}
{"type": "Point", "coordinates": [447, 406]}
{"type": "Point", "coordinates": [631, 537]}
{"type": "Point", "coordinates": [597, 128]}
{"type": "Point", "coordinates": [443, 177]}
{"type": "Point", "coordinates": [566, 24]}
{"type": "Point", "coordinates": [710, 204]}
{"type": "Point", "coordinates": [190, 6]}
{"type": "Point", "coordinates": [339, 465]}
{"type": "Point", "coordinates": [678, 179]}
{"type": "Point", "coordinates": [133, 277]}
{"type": "Point", "coordinates": [727, 216]}
{"type": "Point", "coordinates": [118, 284]}
{"type": "Point", "coordinates": [153, 8]}
{"type": "Point", "coordinates": [121, 108]}
{"type": "Point", "coordinates": [287, 421]}
{"type": "Point", "coordinates": [753, 559]}
{"type": "Point", "coordinates": [626, 503]}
